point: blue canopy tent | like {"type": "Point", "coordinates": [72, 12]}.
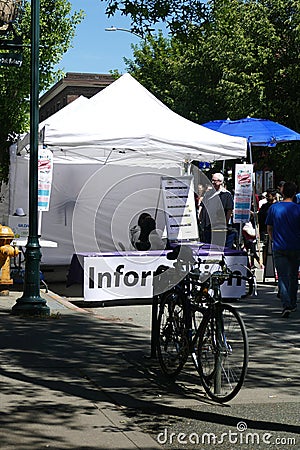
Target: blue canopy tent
{"type": "Point", "coordinates": [258, 132]}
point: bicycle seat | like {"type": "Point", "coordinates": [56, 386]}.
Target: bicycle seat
{"type": "Point", "coordinates": [183, 253]}
{"type": "Point", "coordinates": [161, 269]}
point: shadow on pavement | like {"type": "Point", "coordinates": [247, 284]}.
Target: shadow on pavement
{"type": "Point", "coordinates": [81, 357]}
{"type": "Point", "coordinates": [82, 361]}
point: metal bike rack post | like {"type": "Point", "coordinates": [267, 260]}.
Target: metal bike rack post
{"type": "Point", "coordinates": [154, 326]}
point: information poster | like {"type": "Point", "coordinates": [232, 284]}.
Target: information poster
{"type": "Point", "coordinates": [259, 181]}
{"type": "Point", "coordinates": [180, 208]}
{"type": "Point", "coordinates": [269, 179]}
{"type": "Point", "coordinates": [45, 171]}
{"type": "Point", "coordinates": [243, 192]}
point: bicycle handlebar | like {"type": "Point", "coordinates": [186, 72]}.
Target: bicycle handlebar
{"type": "Point", "coordinates": [184, 255]}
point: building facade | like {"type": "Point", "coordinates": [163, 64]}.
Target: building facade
{"type": "Point", "coordinates": [69, 88]}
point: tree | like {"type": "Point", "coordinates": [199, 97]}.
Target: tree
{"type": "Point", "coordinates": [177, 14]}
{"type": "Point", "coordinates": [57, 29]}
{"type": "Point", "coordinates": [240, 58]}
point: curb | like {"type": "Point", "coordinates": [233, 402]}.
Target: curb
{"type": "Point", "coordinates": [64, 302]}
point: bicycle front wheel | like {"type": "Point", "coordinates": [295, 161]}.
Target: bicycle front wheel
{"type": "Point", "coordinates": [222, 353]}
{"type": "Point", "coordinates": [172, 343]}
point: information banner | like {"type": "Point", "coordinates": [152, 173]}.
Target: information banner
{"type": "Point", "coordinates": [180, 208]}
{"type": "Point", "coordinates": [109, 277]}
{"type": "Point", "coordinates": [243, 192]}
{"type": "Point", "coordinates": [116, 278]}
{"type": "Point", "coordinates": [45, 171]}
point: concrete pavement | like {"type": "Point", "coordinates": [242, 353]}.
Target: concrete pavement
{"type": "Point", "coordinates": [50, 371]}
{"type": "Point", "coordinates": [82, 379]}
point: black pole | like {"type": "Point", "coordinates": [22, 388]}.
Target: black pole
{"type": "Point", "coordinates": [154, 326]}
{"type": "Point", "coordinates": [31, 303]}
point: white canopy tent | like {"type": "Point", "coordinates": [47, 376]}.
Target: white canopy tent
{"type": "Point", "coordinates": [109, 155]}
{"type": "Point", "coordinates": [125, 119]}
{"type": "Point", "coordinates": [92, 205]}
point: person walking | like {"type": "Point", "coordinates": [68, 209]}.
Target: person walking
{"type": "Point", "coordinates": [261, 217]}
{"type": "Point", "coordinates": [279, 196]}
{"type": "Point", "coordinates": [283, 227]}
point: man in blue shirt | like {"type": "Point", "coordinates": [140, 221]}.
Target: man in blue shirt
{"type": "Point", "coordinates": [283, 226]}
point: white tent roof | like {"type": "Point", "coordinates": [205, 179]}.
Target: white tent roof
{"type": "Point", "coordinates": [71, 110]}
{"type": "Point", "coordinates": [125, 120]}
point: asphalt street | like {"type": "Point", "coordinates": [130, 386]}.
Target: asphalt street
{"type": "Point", "coordinates": [265, 413]}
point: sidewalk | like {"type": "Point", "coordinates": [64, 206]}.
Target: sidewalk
{"type": "Point", "coordinates": [82, 379]}
{"type": "Point", "coordinates": [49, 371]}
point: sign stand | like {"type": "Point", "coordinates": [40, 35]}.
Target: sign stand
{"type": "Point", "coordinates": [40, 216]}
{"type": "Point", "coordinates": [154, 326]}
{"type": "Point", "coordinates": [180, 208]}
{"type": "Point", "coordinates": [269, 270]}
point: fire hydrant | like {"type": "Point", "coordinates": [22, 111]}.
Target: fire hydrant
{"type": "Point", "coordinates": [7, 251]}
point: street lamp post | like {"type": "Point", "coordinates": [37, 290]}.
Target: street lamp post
{"type": "Point", "coordinates": [124, 29]}
{"type": "Point", "coordinates": [31, 303]}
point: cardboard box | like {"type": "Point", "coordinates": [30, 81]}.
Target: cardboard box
{"type": "Point", "coordinates": [19, 225]}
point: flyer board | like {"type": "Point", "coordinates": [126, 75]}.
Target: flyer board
{"type": "Point", "coordinates": [180, 208]}
{"type": "Point", "coordinates": [243, 192]}
{"type": "Point", "coordinates": [45, 172]}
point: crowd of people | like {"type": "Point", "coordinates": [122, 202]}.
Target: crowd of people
{"type": "Point", "coordinates": [274, 222]}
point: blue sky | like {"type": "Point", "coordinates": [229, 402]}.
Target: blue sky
{"type": "Point", "coordinates": [94, 49]}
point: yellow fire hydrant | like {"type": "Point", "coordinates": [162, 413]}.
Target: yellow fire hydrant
{"type": "Point", "coordinates": [7, 251]}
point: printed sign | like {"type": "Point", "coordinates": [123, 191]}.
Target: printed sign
{"type": "Point", "coordinates": [259, 181]}
{"type": "Point", "coordinates": [45, 171]}
{"type": "Point", "coordinates": [180, 208]}
{"type": "Point", "coordinates": [115, 278]}
{"type": "Point", "coordinates": [269, 179]}
{"type": "Point", "coordinates": [243, 192]}
{"type": "Point", "coordinates": [19, 226]}
{"type": "Point", "coordinates": [11, 59]}
{"type": "Point", "coordinates": [129, 277]}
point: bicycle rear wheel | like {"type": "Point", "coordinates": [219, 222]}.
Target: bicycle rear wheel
{"type": "Point", "coordinates": [172, 342]}
{"type": "Point", "coordinates": [222, 353]}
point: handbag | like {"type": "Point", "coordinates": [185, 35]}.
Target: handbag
{"type": "Point", "coordinates": [249, 230]}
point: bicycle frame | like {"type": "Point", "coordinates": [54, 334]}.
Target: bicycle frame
{"type": "Point", "coordinates": [208, 339]}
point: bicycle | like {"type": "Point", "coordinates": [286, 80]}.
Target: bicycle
{"type": "Point", "coordinates": [192, 320]}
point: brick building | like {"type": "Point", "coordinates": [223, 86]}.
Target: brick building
{"type": "Point", "coordinates": [69, 88]}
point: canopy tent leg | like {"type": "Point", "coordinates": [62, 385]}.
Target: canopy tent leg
{"type": "Point", "coordinates": [255, 208]}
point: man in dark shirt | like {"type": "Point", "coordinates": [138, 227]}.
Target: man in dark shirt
{"type": "Point", "coordinates": [215, 211]}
